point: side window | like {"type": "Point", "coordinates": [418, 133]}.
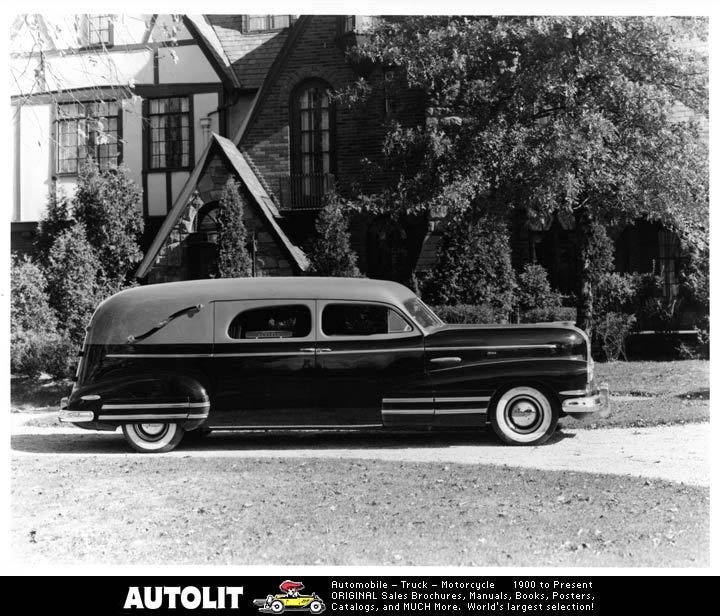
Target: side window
{"type": "Point", "coordinates": [362, 320]}
{"type": "Point", "coordinates": [271, 322]}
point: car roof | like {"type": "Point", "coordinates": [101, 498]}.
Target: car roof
{"type": "Point", "coordinates": [276, 287]}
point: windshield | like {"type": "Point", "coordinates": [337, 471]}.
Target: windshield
{"type": "Point", "coordinates": [421, 314]}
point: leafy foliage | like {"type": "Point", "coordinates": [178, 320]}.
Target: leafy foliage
{"type": "Point", "coordinates": [29, 308]}
{"type": "Point", "coordinates": [473, 265]}
{"type": "Point", "coordinates": [33, 352]}
{"type": "Point", "coordinates": [570, 116]}
{"type": "Point", "coordinates": [467, 313]}
{"type": "Point", "coordinates": [108, 204]}
{"type": "Point", "coordinates": [534, 291]}
{"type": "Point", "coordinates": [611, 331]}
{"type": "Point", "coordinates": [72, 273]}
{"type": "Point", "coordinates": [58, 217]}
{"type": "Point", "coordinates": [330, 253]}
{"type": "Point", "coordinates": [234, 260]}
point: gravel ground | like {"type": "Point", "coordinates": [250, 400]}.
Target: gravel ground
{"type": "Point", "coordinates": [678, 453]}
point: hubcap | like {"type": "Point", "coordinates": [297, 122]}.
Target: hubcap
{"type": "Point", "coordinates": [523, 414]}
{"type": "Point", "coordinates": [152, 431]}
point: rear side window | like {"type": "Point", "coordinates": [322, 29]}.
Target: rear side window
{"type": "Point", "coordinates": [362, 320]}
{"type": "Point", "coordinates": [271, 322]}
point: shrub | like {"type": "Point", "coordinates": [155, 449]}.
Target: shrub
{"type": "Point", "coordinates": [37, 351]}
{"type": "Point", "coordinates": [72, 281]}
{"type": "Point", "coordinates": [29, 306]}
{"type": "Point", "coordinates": [611, 331]}
{"type": "Point", "coordinates": [473, 265]}
{"type": "Point", "coordinates": [56, 219]}
{"type": "Point", "coordinates": [108, 204]}
{"type": "Point", "coordinates": [614, 293]}
{"type": "Point", "coordinates": [548, 315]}
{"type": "Point", "coordinates": [467, 313]}
{"type": "Point", "coordinates": [534, 292]}
{"type": "Point", "coordinates": [330, 253]}
{"type": "Point", "coordinates": [653, 309]}
{"type": "Point", "coordinates": [234, 260]}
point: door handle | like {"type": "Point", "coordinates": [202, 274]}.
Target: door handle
{"type": "Point", "coordinates": [308, 350]}
{"type": "Point", "coordinates": [324, 350]}
{"type": "Point", "coordinates": [445, 360]}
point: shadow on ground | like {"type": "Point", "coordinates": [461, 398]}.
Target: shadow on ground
{"type": "Point", "coordinates": [109, 443]}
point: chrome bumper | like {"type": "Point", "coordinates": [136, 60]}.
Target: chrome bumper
{"type": "Point", "coordinates": [598, 402]}
{"type": "Point", "coordinates": [68, 416]}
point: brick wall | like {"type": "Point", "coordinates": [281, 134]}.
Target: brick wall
{"type": "Point", "coordinates": [174, 259]}
{"type": "Point", "coordinates": [358, 132]}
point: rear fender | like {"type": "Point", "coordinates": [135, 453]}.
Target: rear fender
{"type": "Point", "coordinates": [159, 397]}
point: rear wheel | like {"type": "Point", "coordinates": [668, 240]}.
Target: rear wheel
{"type": "Point", "coordinates": [524, 416]}
{"type": "Point", "coordinates": [153, 437]}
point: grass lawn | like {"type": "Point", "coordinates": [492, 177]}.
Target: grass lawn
{"type": "Point", "coordinates": [660, 393]}
{"type": "Point", "coordinates": [148, 510]}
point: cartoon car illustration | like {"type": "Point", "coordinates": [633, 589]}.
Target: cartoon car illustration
{"type": "Point", "coordinates": [290, 599]}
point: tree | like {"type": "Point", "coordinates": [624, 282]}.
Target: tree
{"type": "Point", "coordinates": [234, 261]}
{"type": "Point", "coordinates": [331, 253]}
{"type": "Point", "coordinates": [108, 204]}
{"type": "Point", "coordinates": [473, 265]}
{"type": "Point", "coordinates": [72, 273]}
{"type": "Point", "coordinates": [56, 219]}
{"type": "Point", "coordinates": [29, 308]}
{"type": "Point", "coordinates": [558, 116]}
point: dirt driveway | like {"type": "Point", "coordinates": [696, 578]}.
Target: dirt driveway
{"type": "Point", "coordinates": [676, 453]}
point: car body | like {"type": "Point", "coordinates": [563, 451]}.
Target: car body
{"type": "Point", "coordinates": [277, 604]}
{"type": "Point", "coordinates": [313, 353]}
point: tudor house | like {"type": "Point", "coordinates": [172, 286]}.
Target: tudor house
{"type": "Point", "coordinates": [187, 102]}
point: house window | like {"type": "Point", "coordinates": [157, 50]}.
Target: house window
{"type": "Point", "coordinates": [170, 142]}
{"type": "Point", "coordinates": [265, 23]}
{"type": "Point", "coordinates": [87, 130]}
{"type": "Point", "coordinates": [95, 30]}
{"type": "Point", "coordinates": [347, 23]}
{"type": "Point", "coordinates": [312, 153]}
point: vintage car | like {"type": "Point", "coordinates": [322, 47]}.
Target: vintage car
{"type": "Point", "coordinates": [163, 360]}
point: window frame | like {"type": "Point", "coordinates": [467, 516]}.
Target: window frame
{"type": "Point", "coordinates": [296, 151]}
{"type": "Point", "coordinates": [86, 32]}
{"type": "Point", "coordinates": [58, 120]}
{"type": "Point", "coordinates": [147, 115]}
{"type": "Point", "coordinates": [226, 311]}
{"type": "Point", "coordinates": [322, 304]}
{"type": "Point", "coordinates": [246, 20]}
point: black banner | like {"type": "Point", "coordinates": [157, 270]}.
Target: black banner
{"type": "Point", "coordinates": [381, 595]}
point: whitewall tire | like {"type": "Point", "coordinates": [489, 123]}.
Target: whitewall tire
{"type": "Point", "coordinates": [524, 416]}
{"type": "Point", "coordinates": [153, 437]}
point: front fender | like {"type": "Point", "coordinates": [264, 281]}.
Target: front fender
{"type": "Point", "coordinates": [157, 397]}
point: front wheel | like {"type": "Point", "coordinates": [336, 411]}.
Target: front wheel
{"type": "Point", "coordinates": [153, 437]}
{"type": "Point", "coordinates": [524, 416]}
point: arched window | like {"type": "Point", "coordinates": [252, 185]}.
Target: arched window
{"type": "Point", "coordinates": [312, 164]}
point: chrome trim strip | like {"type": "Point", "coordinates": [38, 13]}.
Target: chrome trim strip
{"type": "Point", "coordinates": [461, 411]}
{"type": "Point", "coordinates": [574, 392]}
{"type": "Point", "coordinates": [295, 427]}
{"type": "Point", "coordinates": [400, 400]}
{"type": "Point", "coordinates": [405, 350]}
{"type": "Point", "coordinates": [492, 347]}
{"type": "Point", "coordinates": [145, 417]}
{"type": "Point", "coordinates": [159, 405]}
{"type": "Point", "coordinates": [408, 411]}
{"type": "Point", "coordinates": [265, 354]}
{"type": "Point", "coordinates": [307, 354]}
{"type": "Point", "coordinates": [156, 355]}
{"type": "Point", "coordinates": [464, 399]}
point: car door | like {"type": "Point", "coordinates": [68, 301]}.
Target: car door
{"type": "Point", "coordinates": [370, 360]}
{"type": "Point", "coordinates": [263, 363]}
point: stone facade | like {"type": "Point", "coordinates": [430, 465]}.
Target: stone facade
{"type": "Point", "coordinates": [185, 246]}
